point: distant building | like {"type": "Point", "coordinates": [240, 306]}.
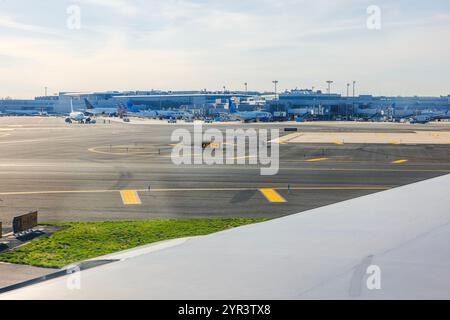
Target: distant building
{"type": "Point", "coordinates": [329, 106]}
{"type": "Point", "coordinates": [309, 102]}
{"type": "Point", "coordinates": [177, 100]}
{"type": "Point", "coordinates": [294, 103]}
{"type": "Point", "coordinates": [22, 106]}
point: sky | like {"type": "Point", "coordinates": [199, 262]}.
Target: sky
{"type": "Point", "coordinates": [394, 47]}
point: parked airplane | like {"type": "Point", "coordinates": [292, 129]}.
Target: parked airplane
{"type": "Point", "coordinates": [130, 109]}
{"type": "Point", "coordinates": [300, 112]}
{"type": "Point", "coordinates": [77, 116]}
{"type": "Point", "coordinates": [430, 116]}
{"type": "Point", "coordinates": [90, 109]}
{"type": "Point", "coordinates": [368, 112]}
{"type": "Point", "coordinates": [403, 114]}
{"type": "Point", "coordinates": [248, 116]}
{"type": "Point", "coordinates": [161, 114]}
{"type": "Point", "coordinates": [170, 114]}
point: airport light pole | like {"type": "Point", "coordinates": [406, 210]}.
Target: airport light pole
{"type": "Point", "coordinates": [353, 99]}
{"type": "Point", "coordinates": [275, 82]}
{"type": "Point", "coordinates": [329, 82]}
{"type": "Point", "coordinates": [346, 103]}
{"type": "Point", "coordinates": [246, 86]}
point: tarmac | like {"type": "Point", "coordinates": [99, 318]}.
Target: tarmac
{"type": "Point", "coordinates": [123, 171]}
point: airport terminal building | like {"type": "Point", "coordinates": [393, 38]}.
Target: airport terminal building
{"type": "Point", "coordinates": [22, 106]}
{"type": "Point", "coordinates": [177, 100]}
{"type": "Point", "coordinates": [326, 106]}
{"type": "Point", "coordinates": [331, 106]}
{"type": "Point", "coordinates": [144, 99]}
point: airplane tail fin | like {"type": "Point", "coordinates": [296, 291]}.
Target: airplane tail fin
{"type": "Point", "coordinates": [121, 109]}
{"type": "Point", "coordinates": [89, 106]}
{"type": "Point", "coordinates": [232, 106]}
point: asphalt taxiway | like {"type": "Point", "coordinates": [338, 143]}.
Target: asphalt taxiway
{"type": "Point", "coordinates": [123, 171]}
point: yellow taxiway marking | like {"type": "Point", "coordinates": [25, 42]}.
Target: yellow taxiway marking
{"type": "Point", "coordinates": [272, 196]}
{"type": "Point", "coordinates": [130, 153]}
{"type": "Point", "coordinates": [365, 162]}
{"type": "Point", "coordinates": [285, 139]}
{"type": "Point", "coordinates": [130, 197]}
{"type": "Point", "coordinates": [316, 159]}
{"type": "Point", "coordinates": [339, 142]}
{"type": "Point", "coordinates": [399, 161]}
{"type": "Point", "coordinates": [394, 142]}
{"type": "Point", "coordinates": [356, 187]}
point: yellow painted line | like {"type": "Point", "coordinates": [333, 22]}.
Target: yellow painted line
{"type": "Point", "coordinates": [24, 193]}
{"type": "Point", "coordinates": [272, 196]}
{"type": "Point", "coordinates": [214, 145]}
{"type": "Point", "coordinates": [339, 142]}
{"type": "Point", "coordinates": [285, 139]}
{"type": "Point", "coordinates": [365, 170]}
{"type": "Point", "coordinates": [394, 142]}
{"type": "Point", "coordinates": [130, 197]}
{"type": "Point", "coordinates": [367, 162]}
{"type": "Point", "coordinates": [399, 161]}
{"type": "Point", "coordinates": [130, 153]}
{"type": "Point", "coordinates": [316, 159]}
{"type": "Point", "coordinates": [359, 187]}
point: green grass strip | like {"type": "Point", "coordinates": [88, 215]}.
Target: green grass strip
{"type": "Point", "coordinates": [87, 240]}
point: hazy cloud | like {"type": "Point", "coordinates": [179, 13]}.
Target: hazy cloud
{"type": "Point", "coordinates": [194, 44]}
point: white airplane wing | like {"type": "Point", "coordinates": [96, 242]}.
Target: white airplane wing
{"type": "Point", "coordinates": [389, 245]}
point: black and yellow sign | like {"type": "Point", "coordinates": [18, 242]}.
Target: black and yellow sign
{"type": "Point", "coordinates": [211, 145]}
{"type": "Point", "coordinates": [25, 222]}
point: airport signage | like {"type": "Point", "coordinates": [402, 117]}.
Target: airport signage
{"type": "Point", "coordinates": [210, 145]}
{"type": "Point", "coordinates": [290, 129]}
{"type": "Point", "coordinates": [25, 222]}
{"type": "Point", "coordinates": [187, 143]}
{"type": "Point", "coordinates": [205, 145]}
{"type": "Point", "coordinates": [215, 145]}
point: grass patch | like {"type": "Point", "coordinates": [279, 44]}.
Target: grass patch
{"type": "Point", "coordinates": [87, 240]}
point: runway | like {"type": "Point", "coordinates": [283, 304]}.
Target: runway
{"type": "Point", "coordinates": [119, 171]}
